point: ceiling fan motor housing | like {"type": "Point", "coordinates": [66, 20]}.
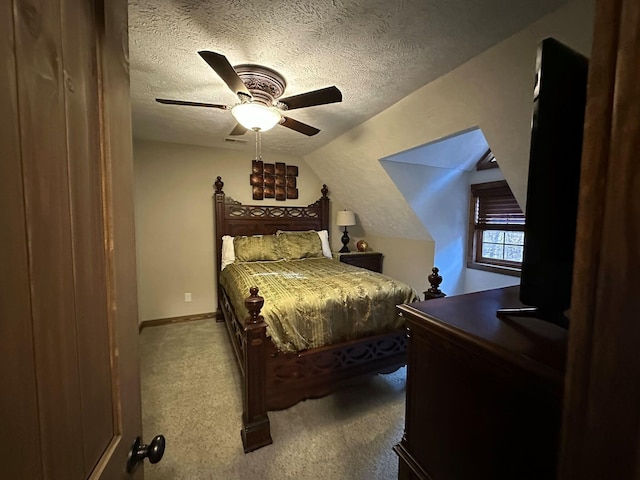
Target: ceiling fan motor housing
{"type": "Point", "coordinates": [265, 84]}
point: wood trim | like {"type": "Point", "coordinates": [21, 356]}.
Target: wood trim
{"type": "Point", "coordinates": [471, 237]}
{"type": "Point", "coordinates": [601, 433]}
{"type": "Point", "coordinates": [180, 319]}
{"type": "Point", "coordinates": [111, 29]}
{"type": "Point", "coordinates": [479, 187]}
{"type": "Point", "coordinates": [486, 162]}
{"type": "Point", "coordinates": [502, 270]}
{"type": "Point", "coordinates": [79, 44]}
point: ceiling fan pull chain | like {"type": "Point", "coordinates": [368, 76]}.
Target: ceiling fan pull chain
{"type": "Point", "coordinates": [258, 146]}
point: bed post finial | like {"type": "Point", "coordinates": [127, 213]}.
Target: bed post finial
{"type": "Point", "coordinates": [218, 184]}
{"type": "Point", "coordinates": [435, 280]}
{"type": "Point", "coordinates": [324, 205]}
{"type": "Point", "coordinates": [254, 303]}
{"type": "Point", "coordinates": [434, 290]}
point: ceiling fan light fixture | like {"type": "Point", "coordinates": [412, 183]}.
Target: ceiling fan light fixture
{"type": "Point", "coordinates": [256, 116]}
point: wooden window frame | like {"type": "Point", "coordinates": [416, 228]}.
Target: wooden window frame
{"type": "Point", "coordinates": [487, 161]}
{"type": "Point", "coordinates": [474, 237]}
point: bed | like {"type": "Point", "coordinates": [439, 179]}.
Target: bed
{"type": "Point", "coordinates": [279, 371]}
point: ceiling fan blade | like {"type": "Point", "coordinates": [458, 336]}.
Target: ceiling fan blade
{"type": "Point", "coordinates": [191, 104]}
{"type": "Point", "coordinates": [223, 68]}
{"type": "Point", "coordinates": [299, 126]}
{"type": "Point", "coordinates": [316, 97]}
{"type": "Point", "coordinates": [238, 130]}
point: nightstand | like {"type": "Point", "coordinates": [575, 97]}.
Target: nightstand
{"type": "Point", "coordinates": [369, 260]}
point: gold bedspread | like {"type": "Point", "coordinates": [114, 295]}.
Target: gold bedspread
{"type": "Point", "coordinates": [317, 301]}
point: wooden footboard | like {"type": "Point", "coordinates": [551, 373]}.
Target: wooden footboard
{"type": "Point", "coordinates": [235, 327]}
{"type": "Point", "coordinates": [273, 380]}
{"type": "Point", "coordinates": [293, 377]}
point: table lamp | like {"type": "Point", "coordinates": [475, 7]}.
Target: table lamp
{"type": "Point", "coordinates": [345, 218]}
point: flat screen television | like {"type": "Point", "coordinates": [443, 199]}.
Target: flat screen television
{"type": "Point", "coordinates": [553, 182]}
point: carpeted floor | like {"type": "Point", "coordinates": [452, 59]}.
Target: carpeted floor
{"type": "Point", "coordinates": [191, 395]}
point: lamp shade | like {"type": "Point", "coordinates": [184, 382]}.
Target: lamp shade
{"type": "Point", "coordinates": [345, 218]}
{"type": "Point", "coordinates": [256, 116]}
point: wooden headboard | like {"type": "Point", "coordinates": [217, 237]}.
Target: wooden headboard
{"type": "Point", "coordinates": [233, 218]}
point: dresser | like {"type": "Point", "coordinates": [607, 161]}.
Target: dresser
{"type": "Point", "coordinates": [484, 395]}
{"type": "Point", "coordinates": [369, 260]}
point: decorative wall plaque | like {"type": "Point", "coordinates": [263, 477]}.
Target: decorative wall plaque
{"type": "Point", "coordinates": [273, 180]}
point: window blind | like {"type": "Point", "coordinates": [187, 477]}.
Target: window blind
{"type": "Point", "coordinates": [496, 208]}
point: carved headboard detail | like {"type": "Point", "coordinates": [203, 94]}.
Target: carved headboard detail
{"type": "Point", "coordinates": [233, 218]}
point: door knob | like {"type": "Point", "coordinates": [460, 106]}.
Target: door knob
{"type": "Point", "coordinates": [139, 451]}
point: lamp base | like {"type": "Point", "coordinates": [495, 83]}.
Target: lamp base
{"type": "Point", "coordinates": [345, 241]}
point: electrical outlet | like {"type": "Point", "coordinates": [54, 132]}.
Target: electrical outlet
{"type": "Point", "coordinates": [187, 297]}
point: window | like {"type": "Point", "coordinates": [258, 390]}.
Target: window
{"type": "Point", "coordinates": [496, 229]}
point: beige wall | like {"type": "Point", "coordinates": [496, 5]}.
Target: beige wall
{"type": "Point", "coordinates": [174, 220]}
{"type": "Point", "coordinates": [493, 91]}
{"type": "Point", "coordinates": [174, 225]}
{"type": "Point", "coordinates": [173, 182]}
{"type": "Point", "coordinates": [404, 258]}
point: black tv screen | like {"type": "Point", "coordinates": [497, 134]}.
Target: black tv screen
{"type": "Point", "coordinates": [554, 179]}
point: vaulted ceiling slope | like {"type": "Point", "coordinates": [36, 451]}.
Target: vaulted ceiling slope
{"type": "Point", "coordinates": [492, 91]}
{"type": "Point", "coordinates": [375, 51]}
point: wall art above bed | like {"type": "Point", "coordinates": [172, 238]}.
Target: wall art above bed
{"type": "Point", "coordinates": [273, 180]}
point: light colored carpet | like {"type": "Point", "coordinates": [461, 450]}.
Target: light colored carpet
{"type": "Point", "coordinates": [191, 394]}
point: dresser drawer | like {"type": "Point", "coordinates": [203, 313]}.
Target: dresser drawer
{"type": "Point", "coordinates": [369, 260]}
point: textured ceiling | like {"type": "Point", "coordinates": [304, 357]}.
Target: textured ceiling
{"type": "Point", "coordinates": [375, 51]}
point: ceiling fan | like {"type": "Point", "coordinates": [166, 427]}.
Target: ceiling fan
{"type": "Point", "coordinates": [259, 89]}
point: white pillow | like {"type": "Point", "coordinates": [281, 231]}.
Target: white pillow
{"type": "Point", "coordinates": [228, 252]}
{"type": "Point", "coordinates": [324, 239]}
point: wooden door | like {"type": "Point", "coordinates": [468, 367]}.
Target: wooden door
{"type": "Point", "coordinates": [601, 427]}
{"type": "Point", "coordinates": [70, 406]}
